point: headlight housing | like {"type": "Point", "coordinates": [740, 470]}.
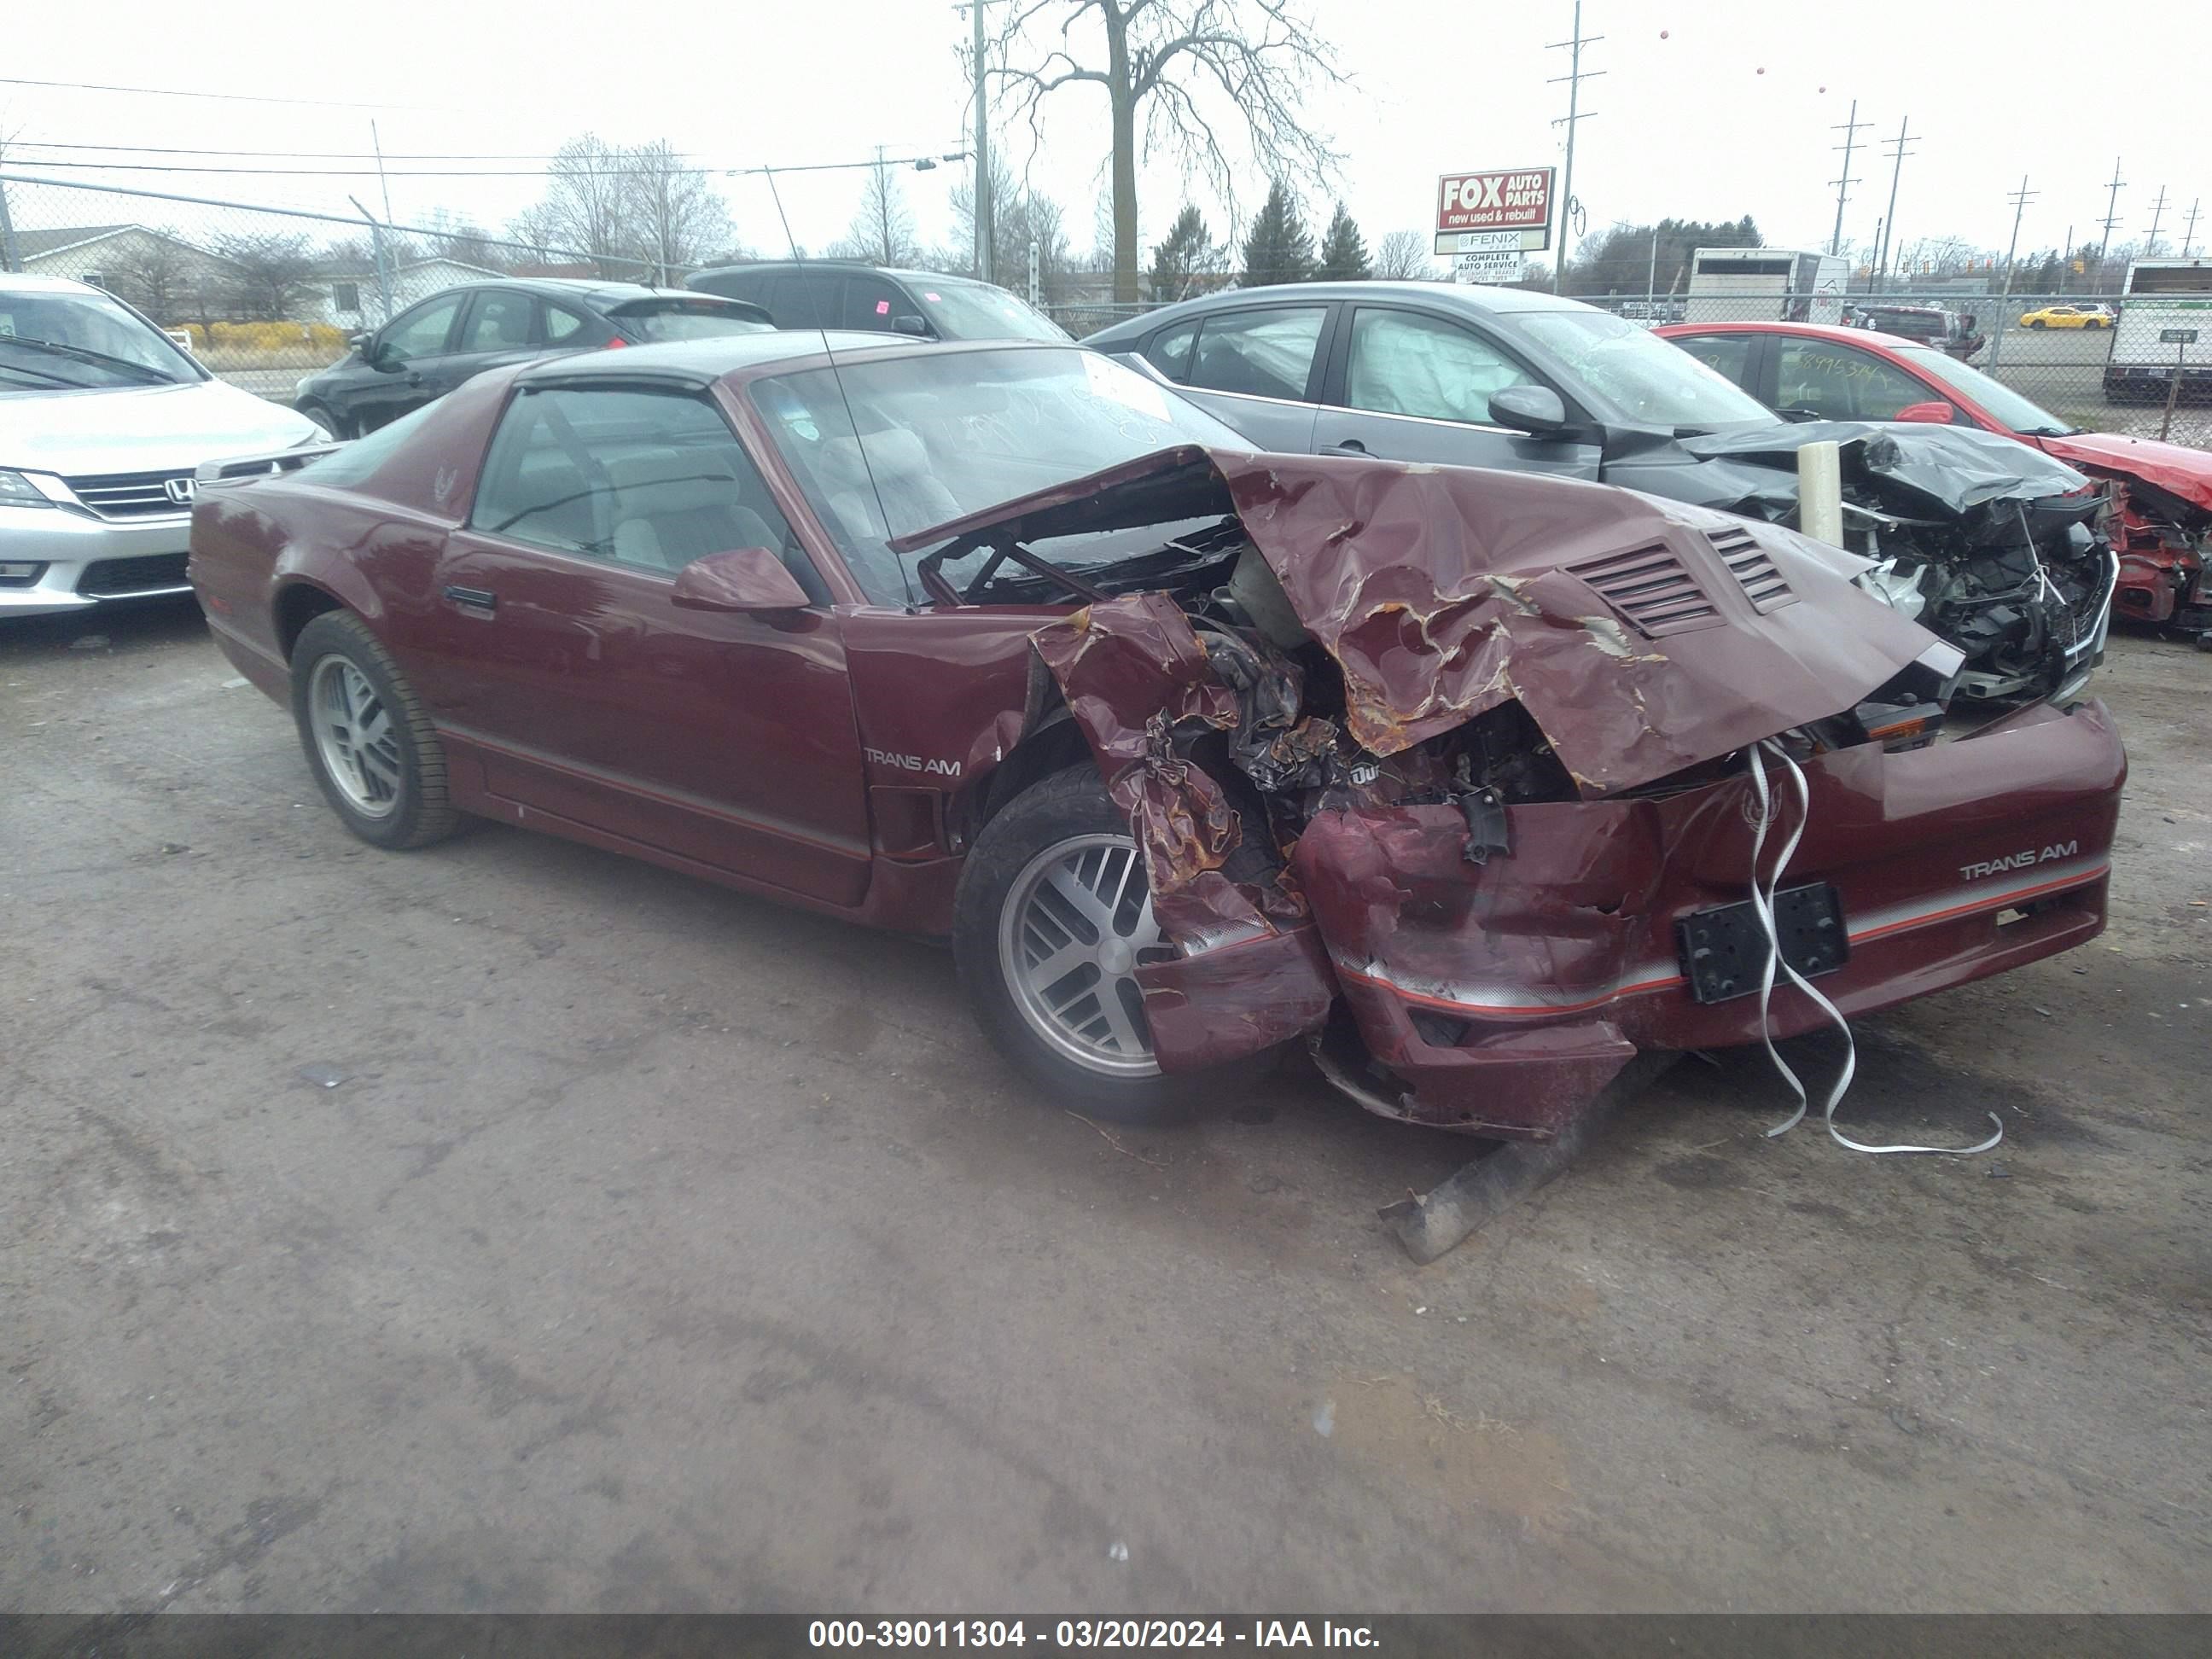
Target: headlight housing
{"type": "Point", "coordinates": [16, 490]}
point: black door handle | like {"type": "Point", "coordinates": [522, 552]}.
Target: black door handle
{"type": "Point", "coordinates": [473, 599]}
{"type": "Point", "coordinates": [414, 377]}
{"type": "Point", "coordinates": [1347, 446]}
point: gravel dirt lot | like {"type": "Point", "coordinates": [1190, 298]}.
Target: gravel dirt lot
{"type": "Point", "coordinates": [664, 1249]}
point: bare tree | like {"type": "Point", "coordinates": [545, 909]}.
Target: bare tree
{"type": "Point", "coordinates": [882, 231]}
{"type": "Point", "coordinates": [273, 276]}
{"type": "Point", "coordinates": [157, 273]}
{"type": "Point", "coordinates": [585, 208]}
{"type": "Point", "coordinates": [1403, 257]}
{"type": "Point", "coordinates": [680, 218]}
{"type": "Point", "coordinates": [1218, 83]}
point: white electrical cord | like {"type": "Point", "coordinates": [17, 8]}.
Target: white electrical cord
{"type": "Point", "coordinates": [1762, 903]}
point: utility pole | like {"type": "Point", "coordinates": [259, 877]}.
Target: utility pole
{"type": "Point", "coordinates": [986, 209]}
{"type": "Point", "coordinates": [2020, 198]}
{"type": "Point", "coordinates": [2157, 213]}
{"type": "Point", "coordinates": [1850, 130]}
{"type": "Point", "coordinates": [384, 183]}
{"type": "Point", "coordinates": [2189, 229]}
{"type": "Point", "coordinates": [1651, 277]}
{"type": "Point", "coordinates": [1574, 77]}
{"type": "Point", "coordinates": [2111, 215]}
{"type": "Point", "coordinates": [1898, 153]}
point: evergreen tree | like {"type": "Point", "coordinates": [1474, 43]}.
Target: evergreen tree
{"type": "Point", "coordinates": [1181, 264]}
{"type": "Point", "coordinates": [1279, 248]}
{"type": "Point", "coordinates": [1343, 251]}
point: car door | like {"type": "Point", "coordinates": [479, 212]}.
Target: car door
{"type": "Point", "coordinates": [871, 302]}
{"type": "Point", "coordinates": [1739, 358]}
{"type": "Point", "coordinates": [500, 326]}
{"type": "Point", "coordinates": [1257, 368]}
{"type": "Point", "coordinates": [1408, 384]}
{"type": "Point", "coordinates": [1841, 382]}
{"type": "Point", "coordinates": [559, 659]}
{"type": "Point", "coordinates": [404, 356]}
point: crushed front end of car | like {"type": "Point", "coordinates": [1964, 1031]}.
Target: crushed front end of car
{"type": "Point", "coordinates": [1452, 774]}
{"type": "Point", "coordinates": [1992, 544]}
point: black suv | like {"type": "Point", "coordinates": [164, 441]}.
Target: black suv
{"type": "Point", "coordinates": [433, 346]}
{"type": "Point", "coordinates": [844, 294]}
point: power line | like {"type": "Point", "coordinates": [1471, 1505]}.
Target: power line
{"type": "Point", "coordinates": [1574, 77]}
{"type": "Point", "coordinates": [220, 97]}
{"type": "Point", "coordinates": [1850, 130]}
{"type": "Point", "coordinates": [369, 172]}
{"type": "Point", "coordinates": [2111, 213]}
{"type": "Point", "coordinates": [2157, 213]}
{"type": "Point", "coordinates": [1897, 154]}
{"type": "Point", "coordinates": [295, 155]}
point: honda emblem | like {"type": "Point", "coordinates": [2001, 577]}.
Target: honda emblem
{"type": "Point", "coordinates": [179, 491]}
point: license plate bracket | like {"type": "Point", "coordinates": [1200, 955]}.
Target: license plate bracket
{"type": "Point", "coordinates": [1723, 951]}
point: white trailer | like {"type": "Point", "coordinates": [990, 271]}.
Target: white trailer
{"type": "Point", "coordinates": [2165, 302]}
{"type": "Point", "coordinates": [1766, 285]}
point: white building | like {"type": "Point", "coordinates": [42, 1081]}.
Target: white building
{"type": "Point", "coordinates": [349, 298]}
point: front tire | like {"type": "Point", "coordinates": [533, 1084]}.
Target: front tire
{"type": "Point", "coordinates": [2038, 323]}
{"type": "Point", "coordinates": [1052, 915]}
{"type": "Point", "coordinates": [368, 739]}
{"type": "Point", "coordinates": [323, 417]}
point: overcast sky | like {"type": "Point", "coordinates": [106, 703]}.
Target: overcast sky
{"type": "Point", "coordinates": [1706, 109]}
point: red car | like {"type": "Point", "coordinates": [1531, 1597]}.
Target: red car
{"type": "Point", "coordinates": [2164, 534]}
{"type": "Point", "coordinates": [1189, 751]}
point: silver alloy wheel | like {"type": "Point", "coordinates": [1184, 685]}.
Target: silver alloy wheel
{"type": "Point", "coordinates": [354, 735]}
{"type": "Point", "coordinates": [1076, 924]}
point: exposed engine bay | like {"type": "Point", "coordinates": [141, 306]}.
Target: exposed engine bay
{"type": "Point", "coordinates": [1997, 548]}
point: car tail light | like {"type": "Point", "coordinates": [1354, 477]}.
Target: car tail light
{"type": "Point", "coordinates": [616, 341]}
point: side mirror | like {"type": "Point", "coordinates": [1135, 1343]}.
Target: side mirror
{"type": "Point", "coordinates": [1535, 409]}
{"type": "Point", "coordinates": [1935, 412]}
{"type": "Point", "coordinates": [745, 579]}
{"type": "Point", "coordinates": [917, 326]}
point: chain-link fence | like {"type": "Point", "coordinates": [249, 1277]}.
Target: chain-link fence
{"type": "Point", "coordinates": [262, 295]}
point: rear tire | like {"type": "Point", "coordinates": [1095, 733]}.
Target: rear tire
{"type": "Point", "coordinates": [368, 739]}
{"type": "Point", "coordinates": [1053, 912]}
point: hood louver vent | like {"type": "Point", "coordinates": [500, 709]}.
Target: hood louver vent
{"type": "Point", "coordinates": [1763, 585]}
{"type": "Point", "coordinates": [1650, 588]}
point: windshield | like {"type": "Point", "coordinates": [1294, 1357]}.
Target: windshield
{"type": "Point", "coordinates": [971, 311]}
{"type": "Point", "coordinates": [951, 434]}
{"type": "Point", "coordinates": [650, 321]}
{"type": "Point", "coordinates": [74, 340]}
{"type": "Point", "coordinates": [1631, 375]}
{"type": "Point", "coordinates": [2006, 407]}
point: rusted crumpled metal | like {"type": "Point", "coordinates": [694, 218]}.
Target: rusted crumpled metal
{"type": "Point", "coordinates": [1443, 591]}
{"type": "Point", "coordinates": [1135, 675]}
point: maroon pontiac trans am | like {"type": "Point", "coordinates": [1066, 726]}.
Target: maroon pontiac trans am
{"type": "Point", "coordinates": [1189, 751]}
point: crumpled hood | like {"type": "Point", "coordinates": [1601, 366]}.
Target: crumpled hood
{"type": "Point", "coordinates": [1951, 468]}
{"type": "Point", "coordinates": [1644, 636]}
{"type": "Point", "coordinates": [2174, 468]}
{"type": "Point", "coordinates": [153, 429]}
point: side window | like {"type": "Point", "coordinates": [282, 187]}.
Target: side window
{"type": "Point", "coordinates": [1840, 383]}
{"type": "Point", "coordinates": [1403, 363]}
{"type": "Point", "coordinates": [791, 302]}
{"type": "Point", "coordinates": [1263, 353]}
{"type": "Point", "coordinates": [1170, 351]}
{"type": "Point", "coordinates": [422, 332]}
{"type": "Point", "coordinates": [652, 480]}
{"type": "Point", "coordinates": [561, 324]}
{"type": "Point", "coordinates": [871, 303]}
{"type": "Point", "coordinates": [1728, 354]}
{"type": "Point", "coordinates": [499, 320]}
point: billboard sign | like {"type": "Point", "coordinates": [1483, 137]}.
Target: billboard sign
{"type": "Point", "coordinates": [1491, 212]}
{"type": "Point", "coordinates": [1502, 265]}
